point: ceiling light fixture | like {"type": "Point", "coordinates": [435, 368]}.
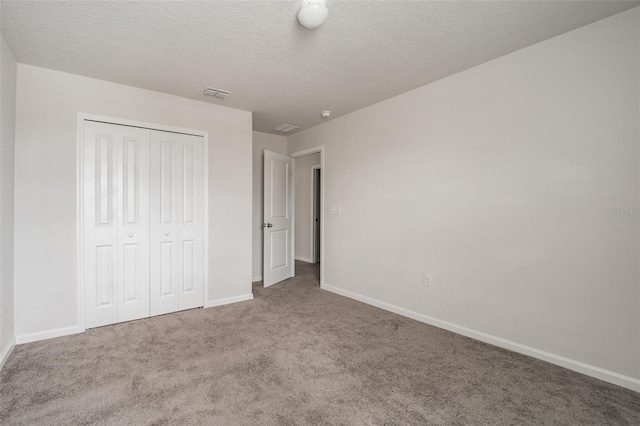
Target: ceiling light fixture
{"type": "Point", "coordinates": [312, 13]}
{"type": "Point", "coordinates": [325, 114]}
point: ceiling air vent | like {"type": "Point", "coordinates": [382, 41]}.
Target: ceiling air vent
{"type": "Point", "coordinates": [286, 128]}
{"type": "Point", "coordinates": [220, 94]}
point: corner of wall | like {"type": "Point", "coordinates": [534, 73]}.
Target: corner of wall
{"type": "Point", "coordinates": [8, 83]}
{"type": "Point", "coordinates": [4, 353]}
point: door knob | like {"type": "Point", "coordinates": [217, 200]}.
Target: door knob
{"type": "Point", "coordinates": [269, 225]}
{"type": "Point", "coordinates": [166, 233]}
{"type": "Point", "coordinates": [130, 235]}
{"type": "Point", "coordinates": [264, 225]}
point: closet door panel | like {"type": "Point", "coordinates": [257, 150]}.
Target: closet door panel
{"type": "Point", "coordinates": [115, 271]}
{"type": "Point", "coordinates": [100, 226]}
{"type": "Point", "coordinates": [164, 204]}
{"type": "Point", "coordinates": [134, 229]}
{"type": "Point", "coordinates": [192, 222]}
{"type": "Point", "coordinates": [177, 227]}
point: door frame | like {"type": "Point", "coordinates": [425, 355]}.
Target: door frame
{"type": "Point", "coordinates": [323, 258]}
{"type": "Point", "coordinates": [82, 117]}
{"type": "Point", "coordinates": [313, 253]}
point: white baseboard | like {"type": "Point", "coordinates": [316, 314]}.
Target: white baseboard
{"type": "Point", "coordinates": [228, 300]}
{"type": "Point", "coordinates": [571, 364]}
{"type": "Point", "coordinates": [305, 259]}
{"type": "Point", "coordinates": [5, 354]}
{"type": "Point", "coordinates": [256, 279]}
{"type": "Point", "coordinates": [43, 335]}
{"type": "Point", "coordinates": [59, 332]}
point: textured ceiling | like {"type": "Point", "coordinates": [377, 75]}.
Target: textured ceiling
{"type": "Point", "coordinates": [366, 51]}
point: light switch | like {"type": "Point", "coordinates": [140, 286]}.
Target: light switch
{"type": "Point", "coordinates": [336, 209]}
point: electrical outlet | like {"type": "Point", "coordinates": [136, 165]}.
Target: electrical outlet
{"type": "Point", "coordinates": [427, 280]}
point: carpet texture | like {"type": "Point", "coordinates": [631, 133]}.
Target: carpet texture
{"type": "Point", "coordinates": [295, 355]}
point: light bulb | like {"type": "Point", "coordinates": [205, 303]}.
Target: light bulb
{"type": "Point", "coordinates": [313, 13]}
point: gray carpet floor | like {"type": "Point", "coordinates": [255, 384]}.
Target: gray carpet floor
{"type": "Point", "coordinates": [295, 355]}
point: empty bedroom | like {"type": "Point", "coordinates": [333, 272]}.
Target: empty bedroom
{"type": "Point", "coordinates": [308, 212]}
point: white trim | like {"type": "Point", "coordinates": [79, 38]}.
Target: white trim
{"type": "Point", "coordinates": [304, 259]}
{"type": "Point", "coordinates": [292, 207]}
{"type": "Point", "coordinates": [4, 356]}
{"type": "Point", "coordinates": [256, 279]}
{"type": "Point", "coordinates": [306, 152]}
{"type": "Point", "coordinates": [312, 252]}
{"type": "Point", "coordinates": [79, 217]}
{"type": "Point", "coordinates": [82, 117]}
{"type": "Point", "coordinates": [571, 364]}
{"type": "Point", "coordinates": [228, 300]}
{"type": "Point", "coordinates": [297, 154]}
{"type": "Point", "coordinates": [205, 172]}
{"type": "Point", "coordinates": [43, 335]}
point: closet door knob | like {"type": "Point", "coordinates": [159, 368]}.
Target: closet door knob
{"type": "Point", "coordinates": [130, 235]}
{"type": "Point", "coordinates": [166, 233]}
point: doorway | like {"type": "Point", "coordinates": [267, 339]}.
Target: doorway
{"type": "Point", "coordinates": [315, 203]}
{"type": "Point", "coordinates": [292, 188]}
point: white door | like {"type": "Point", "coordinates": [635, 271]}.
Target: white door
{"type": "Point", "coordinates": [277, 224]}
{"type": "Point", "coordinates": [116, 223]}
{"type": "Point", "coordinates": [177, 222]}
{"type": "Point", "coordinates": [191, 229]}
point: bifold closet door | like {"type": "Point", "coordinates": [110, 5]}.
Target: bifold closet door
{"type": "Point", "coordinates": [177, 222]}
{"type": "Point", "coordinates": [116, 223]}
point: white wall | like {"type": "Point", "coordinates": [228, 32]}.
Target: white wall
{"type": "Point", "coordinates": [45, 189]}
{"type": "Point", "coordinates": [497, 181]}
{"type": "Point", "coordinates": [275, 143]}
{"type": "Point", "coordinates": [7, 145]}
{"type": "Point", "coordinates": [303, 200]}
